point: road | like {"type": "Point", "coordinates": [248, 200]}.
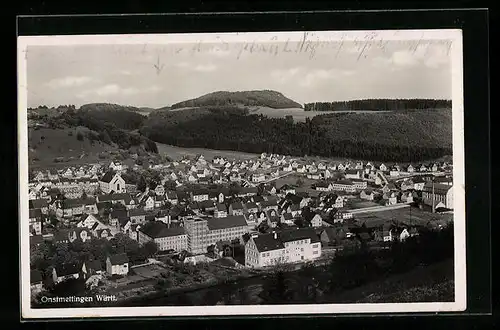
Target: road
{"type": "Point", "coordinates": [378, 208]}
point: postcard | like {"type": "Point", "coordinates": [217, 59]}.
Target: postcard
{"type": "Point", "coordinates": [269, 173]}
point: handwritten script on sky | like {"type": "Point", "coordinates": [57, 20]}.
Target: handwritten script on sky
{"type": "Point", "coordinates": [306, 70]}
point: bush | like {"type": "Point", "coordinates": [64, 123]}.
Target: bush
{"type": "Point", "coordinates": [79, 136]}
{"type": "Point", "coordinates": [70, 133]}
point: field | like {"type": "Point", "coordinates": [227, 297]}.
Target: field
{"type": "Point", "coordinates": [297, 113]}
{"type": "Point", "coordinates": [360, 204]}
{"type": "Point", "coordinates": [179, 152]}
{"type": "Point", "coordinates": [46, 144]}
{"type": "Point", "coordinates": [410, 215]}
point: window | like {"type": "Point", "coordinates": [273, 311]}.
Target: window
{"type": "Point", "coordinates": [315, 252]}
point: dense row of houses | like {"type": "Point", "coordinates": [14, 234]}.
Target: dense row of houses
{"type": "Point", "coordinates": [95, 202]}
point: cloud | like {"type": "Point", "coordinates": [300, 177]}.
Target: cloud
{"type": "Point", "coordinates": [69, 81]}
{"type": "Point", "coordinates": [108, 90]}
{"type": "Point", "coordinates": [283, 76]}
{"type": "Point", "coordinates": [319, 76]}
{"type": "Point", "coordinates": [114, 89]}
{"type": "Point", "coordinates": [205, 68]}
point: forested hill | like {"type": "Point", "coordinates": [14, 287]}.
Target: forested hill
{"type": "Point", "coordinates": [379, 104]}
{"type": "Point", "coordinates": [124, 117]}
{"type": "Point", "coordinates": [265, 98]}
{"type": "Point", "coordinates": [402, 136]}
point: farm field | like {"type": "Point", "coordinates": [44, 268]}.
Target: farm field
{"type": "Point", "coordinates": [179, 152]}
{"type": "Point", "coordinates": [408, 214]}
{"type": "Point", "coordinates": [298, 114]}
{"type": "Point", "coordinates": [360, 204]}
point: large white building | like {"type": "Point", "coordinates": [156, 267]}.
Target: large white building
{"type": "Point", "coordinates": [281, 247]}
{"type": "Point", "coordinates": [166, 238]}
{"type": "Point", "coordinates": [442, 194]}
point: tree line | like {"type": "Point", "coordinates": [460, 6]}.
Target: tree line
{"type": "Point", "coordinates": [257, 134]}
{"type": "Point", "coordinates": [378, 105]}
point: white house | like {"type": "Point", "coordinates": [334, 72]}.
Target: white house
{"type": "Point", "coordinates": [117, 264]}
{"type": "Point", "coordinates": [289, 246]}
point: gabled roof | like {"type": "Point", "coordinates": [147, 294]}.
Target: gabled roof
{"type": "Point", "coordinates": [237, 206]}
{"type": "Point", "coordinates": [118, 213]}
{"type": "Point", "coordinates": [298, 234]}
{"type": "Point", "coordinates": [108, 176]}
{"type": "Point", "coordinates": [137, 212]}
{"type": "Point", "coordinates": [251, 206]}
{"type": "Point", "coordinates": [67, 269]}
{"type": "Point", "coordinates": [94, 265]}
{"type": "Point", "coordinates": [221, 208]}
{"type": "Point", "coordinates": [118, 259]}
{"type": "Point", "coordinates": [266, 242]}
{"type": "Point", "coordinates": [227, 222]}
{"type": "Point", "coordinates": [158, 229]}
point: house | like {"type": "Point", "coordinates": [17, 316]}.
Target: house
{"type": "Point", "coordinates": [314, 219]}
{"type": "Point", "coordinates": [65, 272]}
{"type": "Point", "coordinates": [353, 174]}
{"type": "Point", "coordinates": [407, 184]}
{"type": "Point", "coordinates": [334, 236]}
{"type": "Point", "coordinates": [171, 197]}
{"type": "Point", "coordinates": [117, 264]}
{"type": "Point", "coordinates": [149, 202]}
{"type": "Point", "coordinates": [251, 207]}
{"type": "Point", "coordinates": [382, 168]}
{"type": "Point", "coordinates": [269, 205]}
{"type": "Point", "coordinates": [287, 246]}
{"type": "Point", "coordinates": [103, 233]}
{"type": "Point", "coordinates": [91, 222]}
{"type": "Point", "coordinates": [367, 194]}
{"type": "Point", "coordinates": [344, 185]}
{"type": "Point", "coordinates": [383, 233]}
{"type": "Point", "coordinates": [406, 197]}
{"type": "Point", "coordinates": [36, 281]}
{"type": "Point", "coordinates": [438, 195]}
{"type": "Point", "coordinates": [258, 177]}
{"type": "Point", "coordinates": [323, 186]}
{"type": "Point", "coordinates": [165, 237]}
{"type": "Point", "coordinates": [116, 166]}
{"type": "Point", "coordinates": [287, 218]}
{"type": "Point", "coordinates": [41, 204]}
{"type": "Point", "coordinates": [394, 171]}
{"type": "Point", "coordinates": [80, 235]}
{"type": "Point", "coordinates": [220, 211]}
{"type": "Point", "coordinates": [112, 182]}
{"type": "Point", "coordinates": [92, 267]}
{"type": "Point", "coordinates": [236, 209]}
{"type": "Point", "coordinates": [137, 216]}
{"type": "Point", "coordinates": [321, 166]}
{"type": "Point", "coordinates": [160, 190]}
{"type": "Point", "coordinates": [286, 189]}
{"type": "Point", "coordinates": [410, 169]}
{"type": "Point", "coordinates": [199, 196]}
{"type": "Point", "coordinates": [35, 221]}
{"type": "Point", "coordinates": [359, 184]}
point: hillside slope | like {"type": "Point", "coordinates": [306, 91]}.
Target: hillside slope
{"type": "Point", "coordinates": [403, 136]}
{"type": "Point", "coordinates": [266, 98]}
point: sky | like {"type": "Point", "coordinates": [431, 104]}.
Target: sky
{"type": "Point", "coordinates": [158, 75]}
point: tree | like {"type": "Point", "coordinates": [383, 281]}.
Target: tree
{"type": "Point", "coordinates": [151, 248]}
{"type": "Point", "coordinates": [79, 136]}
{"type": "Point", "coordinates": [299, 182]}
{"type": "Point", "coordinates": [142, 184]}
{"type": "Point", "coordinates": [277, 288]}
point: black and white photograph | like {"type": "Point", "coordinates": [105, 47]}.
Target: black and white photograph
{"type": "Point", "coordinates": [307, 172]}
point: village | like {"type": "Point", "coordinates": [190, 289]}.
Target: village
{"type": "Point", "coordinates": [256, 213]}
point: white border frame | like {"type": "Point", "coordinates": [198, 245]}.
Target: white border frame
{"type": "Point", "coordinates": [452, 35]}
